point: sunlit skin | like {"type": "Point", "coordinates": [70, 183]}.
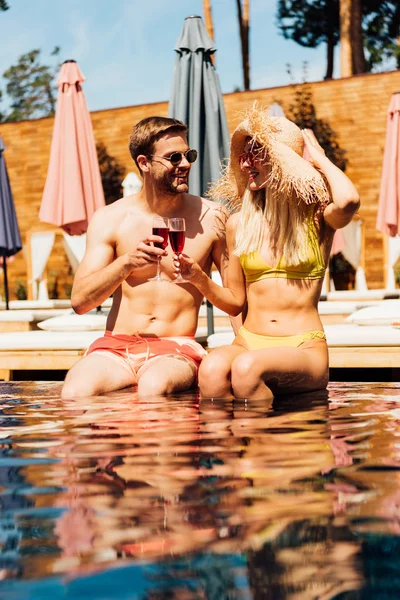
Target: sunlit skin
{"type": "Point", "coordinates": [275, 306]}
{"type": "Point", "coordinates": [255, 164]}
{"type": "Point", "coordinates": [119, 260]}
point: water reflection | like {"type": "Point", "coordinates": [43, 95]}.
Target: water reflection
{"type": "Point", "coordinates": [183, 498]}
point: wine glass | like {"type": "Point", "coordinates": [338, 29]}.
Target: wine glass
{"type": "Point", "coordinates": [160, 227]}
{"type": "Point", "coordinates": [177, 230]}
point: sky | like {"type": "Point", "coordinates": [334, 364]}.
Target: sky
{"type": "Point", "coordinates": [125, 48]}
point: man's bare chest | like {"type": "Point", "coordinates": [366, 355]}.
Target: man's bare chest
{"type": "Point", "coordinates": [198, 241]}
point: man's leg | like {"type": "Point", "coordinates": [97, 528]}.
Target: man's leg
{"type": "Point", "coordinates": [94, 375]}
{"type": "Point", "coordinates": [166, 374]}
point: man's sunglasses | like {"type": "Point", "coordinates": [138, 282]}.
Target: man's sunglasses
{"type": "Point", "coordinates": [176, 157]}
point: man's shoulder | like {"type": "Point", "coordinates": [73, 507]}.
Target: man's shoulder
{"type": "Point", "coordinates": [215, 216]}
{"type": "Point", "coordinates": [116, 208]}
{"type": "Point", "coordinates": [110, 215]}
{"type": "Point", "coordinates": [214, 210]}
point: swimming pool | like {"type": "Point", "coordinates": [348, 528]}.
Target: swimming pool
{"type": "Point", "coordinates": [119, 498]}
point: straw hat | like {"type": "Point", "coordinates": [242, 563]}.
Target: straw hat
{"type": "Point", "coordinates": [291, 176]}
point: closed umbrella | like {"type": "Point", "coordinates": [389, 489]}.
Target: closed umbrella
{"type": "Point", "coordinates": [73, 190]}
{"type": "Point", "coordinates": [388, 220]}
{"type": "Point", "coordinates": [197, 101]}
{"type": "Point", "coordinates": [10, 238]}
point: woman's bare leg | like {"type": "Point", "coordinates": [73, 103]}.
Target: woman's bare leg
{"type": "Point", "coordinates": [259, 374]}
{"type": "Point", "coordinates": [215, 372]}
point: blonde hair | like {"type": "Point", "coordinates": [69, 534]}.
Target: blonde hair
{"type": "Point", "coordinates": [285, 223]}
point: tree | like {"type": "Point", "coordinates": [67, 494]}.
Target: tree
{"type": "Point", "coordinates": [303, 112]}
{"type": "Point", "coordinates": [310, 23]}
{"type": "Point", "coordinates": [209, 23]}
{"type": "Point", "coordinates": [112, 174]}
{"type": "Point", "coordinates": [382, 39]}
{"type": "Point", "coordinates": [243, 11]}
{"type": "Point", "coordinates": [30, 87]}
{"type": "Point", "coordinates": [208, 18]}
{"type": "Point", "coordinates": [3, 5]}
{"type": "Point", "coordinates": [352, 59]}
{"type": "Point", "coordinates": [369, 30]}
{"type": "Point", "coordinates": [346, 62]}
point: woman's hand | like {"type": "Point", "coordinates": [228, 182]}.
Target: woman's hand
{"type": "Point", "coordinates": [188, 268]}
{"type": "Point", "coordinates": [313, 150]}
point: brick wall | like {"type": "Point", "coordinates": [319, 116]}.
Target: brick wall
{"type": "Point", "coordinates": [355, 108]}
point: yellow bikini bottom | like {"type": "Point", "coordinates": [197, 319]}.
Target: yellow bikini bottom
{"type": "Point", "coordinates": [255, 341]}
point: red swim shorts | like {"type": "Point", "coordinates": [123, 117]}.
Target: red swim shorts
{"type": "Point", "coordinates": [134, 352]}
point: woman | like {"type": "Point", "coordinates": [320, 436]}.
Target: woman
{"type": "Point", "coordinates": [279, 243]}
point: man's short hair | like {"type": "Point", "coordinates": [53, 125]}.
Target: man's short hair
{"type": "Point", "coordinates": [148, 131]}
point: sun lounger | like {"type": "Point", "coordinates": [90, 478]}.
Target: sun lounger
{"type": "Point", "coordinates": [25, 320]}
{"type": "Point", "coordinates": [383, 294]}
{"type": "Point", "coordinates": [42, 350]}
{"type": "Point", "coordinates": [36, 304]}
{"type": "Point", "coordinates": [44, 304]}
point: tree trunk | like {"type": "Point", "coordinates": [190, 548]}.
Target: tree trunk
{"type": "Point", "coordinates": [357, 42]}
{"type": "Point", "coordinates": [330, 53]}
{"type": "Point", "coordinates": [208, 18]}
{"type": "Point", "coordinates": [244, 27]}
{"type": "Point", "coordinates": [346, 62]}
{"type": "Point", "coordinates": [209, 23]}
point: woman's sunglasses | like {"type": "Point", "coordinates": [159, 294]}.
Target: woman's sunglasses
{"type": "Point", "coordinates": [176, 157]}
{"type": "Point", "coordinates": [255, 154]}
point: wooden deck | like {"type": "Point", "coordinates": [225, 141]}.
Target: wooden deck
{"type": "Point", "coordinates": [340, 357]}
{"type": "Point", "coordinates": [36, 360]}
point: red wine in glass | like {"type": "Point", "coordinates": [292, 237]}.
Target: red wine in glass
{"type": "Point", "coordinates": [177, 232]}
{"type": "Point", "coordinates": [160, 227]}
{"type": "Point", "coordinates": [177, 241]}
{"type": "Point", "coordinates": [162, 232]}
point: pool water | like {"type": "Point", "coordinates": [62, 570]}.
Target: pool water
{"type": "Point", "coordinates": [115, 497]}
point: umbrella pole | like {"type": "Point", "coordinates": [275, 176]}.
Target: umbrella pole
{"type": "Point", "coordinates": [210, 319]}
{"type": "Point", "coordinates": [5, 281]}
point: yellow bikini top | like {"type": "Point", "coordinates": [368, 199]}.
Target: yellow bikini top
{"type": "Point", "coordinates": [255, 268]}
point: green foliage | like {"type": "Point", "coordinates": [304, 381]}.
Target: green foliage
{"type": "Point", "coordinates": [20, 290]}
{"type": "Point", "coordinates": [3, 5]}
{"type": "Point", "coordinates": [309, 22]}
{"type": "Point", "coordinates": [67, 290]}
{"type": "Point", "coordinates": [312, 22]}
{"type": "Point", "coordinates": [342, 272]}
{"type": "Point", "coordinates": [396, 269]}
{"type": "Point", "coordinates": [53, 287]}
{"type": "Point", "coordinates": [30, 86]}
{"type": "Point", "coordinates": [303, 112]}
{"type": "Point", "coordinates": [112, 174]}
{"type": "Point", "coordinates": [2, 115]}
{"type": "Point", "coordinates": [382, 30]}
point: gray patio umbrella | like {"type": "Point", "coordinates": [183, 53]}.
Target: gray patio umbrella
{"type": "Point", "coordinates": [10, 238]}
{"type": "Point", "coordinates": [197, 101]}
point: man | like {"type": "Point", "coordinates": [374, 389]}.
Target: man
{"type": "Point", "coordinates": [149, 339]}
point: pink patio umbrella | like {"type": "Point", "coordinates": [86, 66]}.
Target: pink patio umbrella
{"type": "Point", "coordinates": [73, 190]}
{"type": "Point", "coordinates": [388, 220]}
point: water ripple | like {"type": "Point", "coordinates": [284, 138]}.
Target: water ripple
{"type": "Point", "coordinates": [125, 498]}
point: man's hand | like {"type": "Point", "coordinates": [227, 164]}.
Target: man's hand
{"type": "Point", "coordinates": [145, 253]}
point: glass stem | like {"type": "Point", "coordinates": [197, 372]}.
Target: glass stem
{"type": "Point", "coordinates": [158, 268]}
